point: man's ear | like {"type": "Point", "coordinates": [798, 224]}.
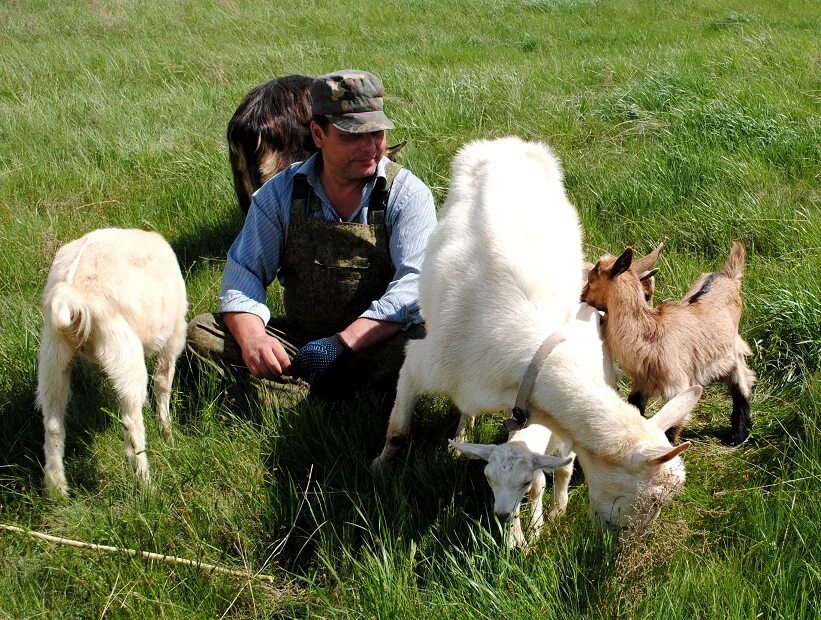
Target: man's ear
{"type": "Point", "coordinates": [317, 134]}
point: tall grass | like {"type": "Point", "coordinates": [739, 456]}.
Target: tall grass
{"type": "Point", "coordinates": [694, 122]}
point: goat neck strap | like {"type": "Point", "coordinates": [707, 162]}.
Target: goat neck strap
{"type": "Point", "coordinates": [519, 414]}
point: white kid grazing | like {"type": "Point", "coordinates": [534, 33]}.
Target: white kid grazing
{"type": "Point", "coordinates": [114, 296]}
{"type": "Point", "coordinates": [517, 468]}
{"type": "Point", "coordinates": [502, 273]}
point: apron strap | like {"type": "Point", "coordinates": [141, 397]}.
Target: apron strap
{"type": "Point", "coordinates": [303, 199]}
{"type": "Point", "coordinates": [380, 194]}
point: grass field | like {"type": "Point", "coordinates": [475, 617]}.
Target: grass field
{"type": "Point", "coordinates": [692, 122]}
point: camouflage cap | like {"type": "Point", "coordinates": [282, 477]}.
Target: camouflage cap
{"type": "Point", "coordinates": [352, 101]}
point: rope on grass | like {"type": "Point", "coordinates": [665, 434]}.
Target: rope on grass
{"type": "Point", "coordinates": [148, 555]}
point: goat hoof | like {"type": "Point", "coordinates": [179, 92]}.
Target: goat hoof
{"type": "Point", "coordinates": [56, 486]}
{"type": "Point", "coordinates": [57, 492]}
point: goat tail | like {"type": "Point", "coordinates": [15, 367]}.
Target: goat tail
{"type": "Point", "coordinates": [734, 267]}
{"type": "Point", "coordinates": [71, 313]}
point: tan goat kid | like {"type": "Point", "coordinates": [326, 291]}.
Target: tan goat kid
{"type": "Point", "coordinates": [678, 344]}
{"type": "Point", "coordinates": [113, 295]}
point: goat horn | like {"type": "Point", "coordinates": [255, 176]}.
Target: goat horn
{"type": "Point", "coordinates": [645, 263]}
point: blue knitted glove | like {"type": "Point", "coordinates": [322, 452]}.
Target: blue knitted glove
{"type": "Point", "coordinates": [318, 356]}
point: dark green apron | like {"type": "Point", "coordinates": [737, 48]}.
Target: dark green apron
{"type": "Point", "coordinates": [332, 271]}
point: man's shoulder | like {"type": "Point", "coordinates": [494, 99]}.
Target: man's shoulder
{"type": "Point", "coordinates": [401, 179]}
{"type": "Point", "coordinates": [276, 191]}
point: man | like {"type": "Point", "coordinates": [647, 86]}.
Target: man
{"type": "Point", "coordinates": [345, 232]}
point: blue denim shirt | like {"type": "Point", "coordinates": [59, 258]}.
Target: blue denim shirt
{"type": "Point", "coordinates": [255, 256]}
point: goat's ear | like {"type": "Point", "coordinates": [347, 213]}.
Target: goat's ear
{"type": "Point", "coordinates": [393, 151]}
{"type": "Point", "coordinates": [545, 461]}
{"type": "Point", "coordinates": [677, 411]}
{"type": "Point", "coordinates": [648, 274]}
{"type": "Point", "coordinates": [666, 454]}
{"type": "Point", "coordinates": [622, 263]}
{"type": "Point", "coordinates": [595, 269]}
{"type": "Point", "coordinates": [481, 451]}
{"type": "Point", "coordinates": [646, 263]}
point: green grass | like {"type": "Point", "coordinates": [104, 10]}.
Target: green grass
{"type": "Point", "coordinates": [694, 122]}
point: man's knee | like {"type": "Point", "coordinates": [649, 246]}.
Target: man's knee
{"type": "Point", "coordinates": [209, 336]}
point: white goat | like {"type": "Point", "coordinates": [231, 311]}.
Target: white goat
{"type": "Point", "coordinates": [113, 295]}
{"type": "Point", "coordinates": [517, 467]}
{"type": "Point", "coordinates": [502, 273]}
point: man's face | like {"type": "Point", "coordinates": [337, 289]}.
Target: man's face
{"type": "Point", "coordinates": [353, 156]}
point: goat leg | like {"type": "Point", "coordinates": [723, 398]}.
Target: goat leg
{"type": "Point", "coordinates": [638, 400]}
{"type": "Point", "coordinates": [741, 421]}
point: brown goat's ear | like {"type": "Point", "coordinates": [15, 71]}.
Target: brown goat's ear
{"type": "Point", "coordinates": [622, 263]}
{"type": "Point", "coordinates": [393, 151]}
{"type": "Point", "coordinates": [646, 263]}
{"type": "Point", "coordinates": [648, 274]}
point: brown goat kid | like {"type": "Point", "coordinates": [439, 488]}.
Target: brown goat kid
{"type": "Point", "coordinates": [679, 344]}
{"type": "Point", "coordinates": [269, 131]}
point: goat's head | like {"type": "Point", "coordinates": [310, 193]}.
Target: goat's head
{"type": "Point", "coordinates": [510, 471]}
{"type": "Point", "coordinates": [601, 276]}
{"type": "Point", "coordinates": [630, 490]}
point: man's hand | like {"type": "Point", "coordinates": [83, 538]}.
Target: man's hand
{"type": "Point", "coordinates": [263, 354]}
{"type": "Point", "coordinates": [318, 356]}
{"type": "Point", "coordinates": [265, 357]}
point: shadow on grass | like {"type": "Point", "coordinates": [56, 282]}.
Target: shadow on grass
{"type": "Point", "coordinates": [325, 497]}
{"type": "Point", "coordinates": [21, 432]}
{"type": "Point", "coordinates": [207, 242]}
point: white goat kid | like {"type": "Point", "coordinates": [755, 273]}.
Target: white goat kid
{"type": "Point", "coordinates": [517, 468]}
{"type": "Point", "coordinates": [114, 296]}
{"type": "Point", "coordinates": [502, 272]}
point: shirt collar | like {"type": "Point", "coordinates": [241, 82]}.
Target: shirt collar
{"type": "Point", "coordinates": [310, 168]}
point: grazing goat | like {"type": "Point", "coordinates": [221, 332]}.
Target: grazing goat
{"type": "Point", "coordinates": [501, 274]}
{"type": "Point", "coordinates": [517, 468]}
{"type": "Point", "coordinates": [113, 295]}
{"type": "Point", "coordinates": [269, 131]}
{"type": "Point", "coordinates": [679, 344]}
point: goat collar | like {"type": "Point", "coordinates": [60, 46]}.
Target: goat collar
{"type": "Point", "coordinates": [519, 415]}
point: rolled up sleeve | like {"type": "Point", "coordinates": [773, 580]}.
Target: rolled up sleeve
{"type": "Point", "coordinates": [253, 260]}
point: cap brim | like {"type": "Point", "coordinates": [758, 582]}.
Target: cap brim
{"type": "Point", "coordinates": [362, 122]}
